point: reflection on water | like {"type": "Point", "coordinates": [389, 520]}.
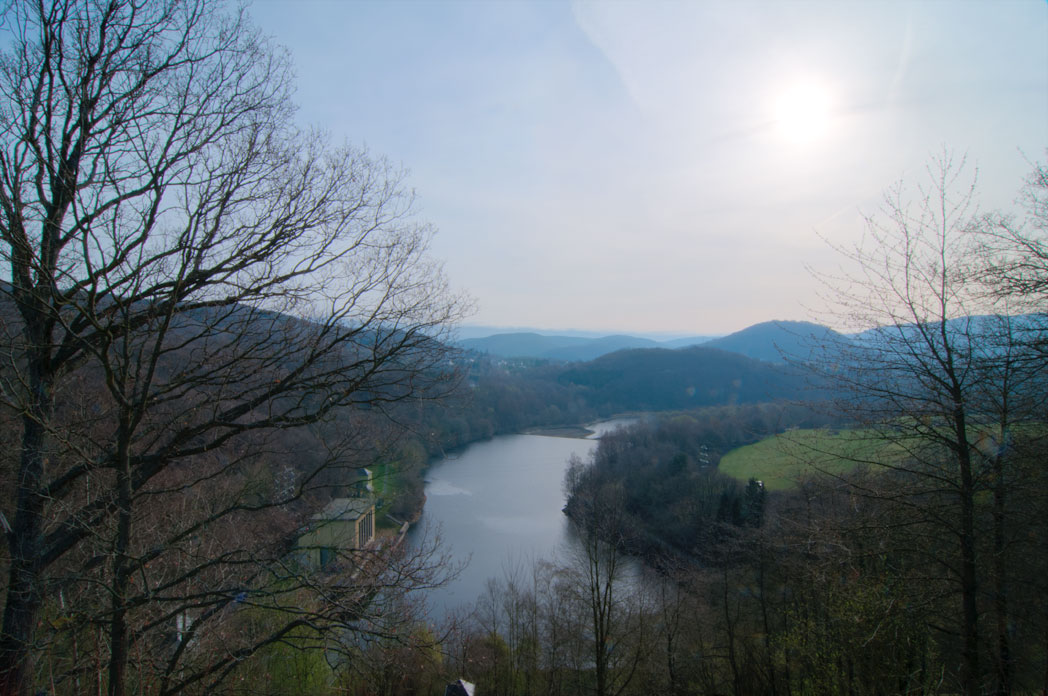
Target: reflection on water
{"type": "Point", "coordinates": [442, 487]}
{"type": "Point", "coordinates": [498, 504]}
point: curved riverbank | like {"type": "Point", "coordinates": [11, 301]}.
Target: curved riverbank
{"type": "Point", "coordinates": [497, 505]}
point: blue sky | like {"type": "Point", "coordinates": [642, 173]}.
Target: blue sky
{"type": "Point", "coordinates": [622, 165]}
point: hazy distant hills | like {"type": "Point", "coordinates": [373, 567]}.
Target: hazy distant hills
{"type": "Point", "coordinates": [983, 327]}
{"type": "Point", "coordinates": [568, 348]}
{"type": "Point", "coordinates": [522, 345]}
{"type": "Point", "coordinates": [597, 347]}
{"type": "Point", "coordinates": [768, 341]}
{"type": "Point", "coordinates": [779, 341]}
{"type": "Point", "coordinates": [616, 374]}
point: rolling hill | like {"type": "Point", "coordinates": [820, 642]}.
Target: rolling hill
{"type": "Point", "coordinates": [779, 341]}
{"type": "Point", "coordinates": [657, 379]}
{"type": "Point", "coordinates": [770, 341]}
{"type": "Point", "coordinates": [566, 348]}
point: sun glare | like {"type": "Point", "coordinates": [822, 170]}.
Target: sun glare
{"type": "Point", "coordinates": [802, 112]}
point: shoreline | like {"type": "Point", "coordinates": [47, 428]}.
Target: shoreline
{"type": "Point", "coordinates": [577, 432]}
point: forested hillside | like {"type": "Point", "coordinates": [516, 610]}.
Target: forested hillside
{"type": "Point", "coordinates": [510, 396]}
{"type": "Point", "coordinates": [660, 379]}
{"type": "Point", "coordinates": [674, 502]}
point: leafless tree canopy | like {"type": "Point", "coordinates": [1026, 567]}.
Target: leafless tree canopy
{"type": "Point", "coordinates": [1018, 247]}
{"type": "Point", "coordinates": [189, 275]}
{"type": "Point", "coordinates": [952, 382]}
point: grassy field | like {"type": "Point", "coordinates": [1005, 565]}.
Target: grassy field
{"type": "Point", "coordinates": [781, 460]}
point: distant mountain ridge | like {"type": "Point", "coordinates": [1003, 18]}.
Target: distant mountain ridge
{"type": "Point", "coordinates": [566, 348]}
{"type": "Point", "coordinates": [975, 325]}
{"type": "Point", "coordinates": [779, 341]}
{"type": "Point", "coordinates": [468, 331]}
{"type": "Point", "coordinates": [770, 341]}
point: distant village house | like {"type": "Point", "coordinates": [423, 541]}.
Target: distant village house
{"type": "Point", "coordinates": [345, 524]}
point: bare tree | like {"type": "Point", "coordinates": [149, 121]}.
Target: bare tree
{"type": "Point", "coordinates": [1012, 265]}
{"type": "Point", "coordinates": [944, 378]}
{"type": "Point", "coordinates": [189, 275]}
{"type": "Point", "coordinates": [616, 616]}
{"type": "Point", "coordinates": [1015, 247]}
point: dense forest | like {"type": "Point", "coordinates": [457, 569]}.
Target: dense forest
{"type": "Point", "coordinates": [834, 587]}
{"type": "Point", "coordinates": [503, 396]}
{"type": "Point", "coordinates": [674, 501]}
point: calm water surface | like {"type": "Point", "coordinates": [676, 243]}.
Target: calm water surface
{"type": "Point", "coordinates": [497, 504]}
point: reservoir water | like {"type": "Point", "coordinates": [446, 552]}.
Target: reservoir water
{"type": "Point", "coordinates": [497, 505]}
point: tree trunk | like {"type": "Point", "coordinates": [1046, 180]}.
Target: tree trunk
{"type": "Point", "coordinates": [969, 583]}
{"type": "Point", "coordinates": [1004, 667]}
{"type": "Point", "coordinates": [970, 676]}
{"type": "Point", "coordinates": [25, 584]}
{"type": "Point", "coordinates": [122, 568]}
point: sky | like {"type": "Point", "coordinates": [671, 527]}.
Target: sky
{"type": "Point", "coordinates": [677, 167]}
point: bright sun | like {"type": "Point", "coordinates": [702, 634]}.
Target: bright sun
{"type": "Point", "coordinates": [802, 112]}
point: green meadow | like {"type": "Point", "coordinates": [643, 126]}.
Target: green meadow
{"type": "Point", "coordinates": [782, 460]}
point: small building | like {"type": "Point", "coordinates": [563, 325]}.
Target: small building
{"type": "Point", "coordinates": [345, 524]}
{"type": "Point", "coordinates": [459, 688]}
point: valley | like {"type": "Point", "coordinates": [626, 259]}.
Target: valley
{"type": "Point", "coordinates": [252, 444]}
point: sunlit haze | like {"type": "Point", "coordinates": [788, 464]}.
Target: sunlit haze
{"type": "Point", "coordinates": [803, 112]}
{"type": "Point", "coordinates": [665, 166]}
